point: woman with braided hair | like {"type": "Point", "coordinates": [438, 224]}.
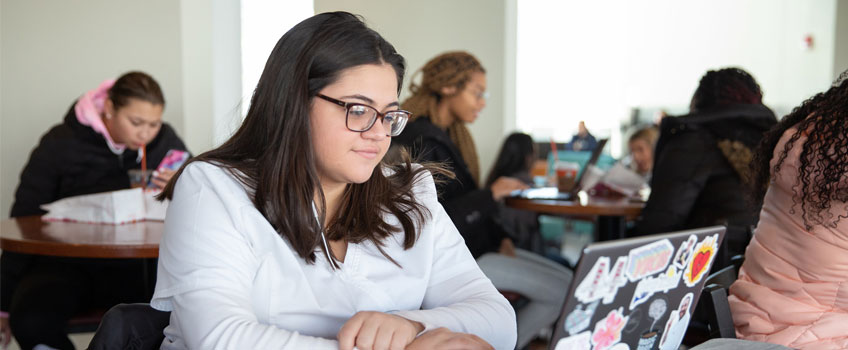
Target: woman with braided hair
{"type": "Point", "coordinates": [451, 94]}
{"type": "Point", "coordinates": [701, 161]}
{"type": "Point", "coordinates": [793, 286]}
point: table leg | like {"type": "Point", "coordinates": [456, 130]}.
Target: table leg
{"type": "Point", "coordinates": [611, 228]}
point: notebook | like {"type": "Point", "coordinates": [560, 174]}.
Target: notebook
{"type": "Point", "coordinates": [636, 293]}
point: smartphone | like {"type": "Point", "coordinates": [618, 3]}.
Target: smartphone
{"type": "Point", "coordinates": [173, 160]}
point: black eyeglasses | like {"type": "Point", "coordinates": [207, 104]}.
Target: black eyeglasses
{"type": "Point", "coordinates": [360, 117]}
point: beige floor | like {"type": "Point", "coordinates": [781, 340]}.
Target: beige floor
{"type": "Point", "coordinates": [80, 341]}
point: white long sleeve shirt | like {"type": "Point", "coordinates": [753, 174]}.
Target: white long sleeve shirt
{"type": "Point", "coordinates": [231, 281]}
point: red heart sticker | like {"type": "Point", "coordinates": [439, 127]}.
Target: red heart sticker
{"type": "Point", "coordinates": [699, 262]}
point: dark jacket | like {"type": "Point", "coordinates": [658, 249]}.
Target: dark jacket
{"type": "Point", "coordinates": [471, 208]}
{"type": "Point", "coordinates": [696, 179]}
{"type": "Point", "coordinates": [70, 160]}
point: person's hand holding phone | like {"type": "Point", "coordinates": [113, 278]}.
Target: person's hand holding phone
{"type": "Point", "coordinates": [161, 177]}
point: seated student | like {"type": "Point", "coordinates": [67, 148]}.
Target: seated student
{"type": "Point", "coordinates": [451, 94]}
{"type": "Point", "coordinates": [793, 286]}
{"type": "Point", "coordinates": [641, 145]}
{"type": "Point", "coordinates": [702, 160]}
{"type": "Point", "coordinates": [295, 234]}
{"type": "Point", "coordinates": [582, 140]}
{"type": "Point", "coordinates": [89, 152]}
{"type": "Point", "coordinates": [517, 155]}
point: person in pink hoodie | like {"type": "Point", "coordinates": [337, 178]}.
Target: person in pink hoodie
{"type": "Point", "coordinates": [793, 287]}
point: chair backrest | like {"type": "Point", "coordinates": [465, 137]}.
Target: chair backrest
{"type": "Point", "coordinates": [714, 300]}
{"type": "Point", "coordinates": [131, 326]}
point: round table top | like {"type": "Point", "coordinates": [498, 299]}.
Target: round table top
{"type": "Point", "coordinates": [31, 235]}
{"type": "Point", "coordinates": [589, 206]}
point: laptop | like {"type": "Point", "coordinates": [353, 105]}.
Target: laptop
{"type": "Point", "coordinates": [553, 193]}
{"type": "Point", "coordinates": [636, 293]}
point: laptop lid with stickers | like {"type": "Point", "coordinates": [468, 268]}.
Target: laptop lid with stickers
{"type": "Point", "coordinates": [636, 293]}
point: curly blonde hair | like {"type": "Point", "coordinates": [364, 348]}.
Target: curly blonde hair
{"type": "Point", "coordinates": [450, 69]}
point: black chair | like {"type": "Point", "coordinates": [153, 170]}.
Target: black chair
{"type": "Point", "coordinates": [714, 298]}
{"type": "Point", "coordinates": [131, 327]}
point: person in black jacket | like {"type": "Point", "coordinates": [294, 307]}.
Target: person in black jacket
{"type": "Point", "coordinates": [702, 161]}
{"type": "Point", "coordinates": [451, 94]}
{"type": "Point", "coordinates": [101, 138]}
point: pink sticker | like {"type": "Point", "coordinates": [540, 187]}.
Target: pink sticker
{"type": "Point", "coordinates": [608, 330]}
{"type": "Point", "coordinates": [649, 259]}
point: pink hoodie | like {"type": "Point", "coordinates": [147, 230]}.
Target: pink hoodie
{"type": "Point", "coordinates": [89, 109]}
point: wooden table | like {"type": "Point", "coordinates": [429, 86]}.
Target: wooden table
{"type": "Point", "coordinates": [31, 235]}
{"type": "Point", "coordinates": [612, 214]}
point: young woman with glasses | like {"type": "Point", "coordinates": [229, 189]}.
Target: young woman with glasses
{"type": "Point", "coordinates": [296, 234]}
{"type": "Point", "coordinates": [450, 95]}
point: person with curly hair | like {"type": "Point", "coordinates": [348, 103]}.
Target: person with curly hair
{"type": "Point", "coordinates": [793, 286]}
{"type": "Point", "coordinates": [701, 164]}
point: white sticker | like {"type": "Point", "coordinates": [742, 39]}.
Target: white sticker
{"type": "Point", "coordinates": [675, 328]}
{"type": "Point", "coordinates": [650, 285]}
{"type": "Point", "coordinates": [685, 252]}
{"type": "Point", "coordinates": [575, 342]}
{"type": "Point", "coordinates": [701, 260]}
{"type": "Point", "coordinates": [601, 282]}
{"type": "Point", "coordinates": [620, 346]}
{"type": "Point", "coordinates": [579, 319]}
{"type": "Point", "coordinates": [649, 259]}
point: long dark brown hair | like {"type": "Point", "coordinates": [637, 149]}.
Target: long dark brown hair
{"type": "Point", "coordinates": [271, 153]}
{"type": "Point", "coordinates": [823, 119]}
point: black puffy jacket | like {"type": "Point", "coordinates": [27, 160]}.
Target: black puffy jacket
{"type": "Point", "coordinates": [696, 179]}
{"type": "Point", "coordinates": [471, 208]}
{"type": "Point", "coordinates": [72, 159]}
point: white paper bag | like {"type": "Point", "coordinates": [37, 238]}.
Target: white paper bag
{"type": "Point", "coordinates": [115, 207]}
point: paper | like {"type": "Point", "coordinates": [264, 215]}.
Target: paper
{"type": "Point", "coordinates": [116, 207]}
{"type": "Point", "coordinates": [623, 180]}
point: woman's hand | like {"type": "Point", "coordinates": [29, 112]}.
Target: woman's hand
{"type": "Point", "coordinates": [371, 330]}
{"type": "Point", "coordinates": [5, 332]}
{"type": "Point", "coordinates": [161, 178]}
{"type": "Point", "coordinates": [505, 185]}
{"type": "Point", "coordinates": [507, 248]}
{"type": "Point", "coordinates": [444, 339]}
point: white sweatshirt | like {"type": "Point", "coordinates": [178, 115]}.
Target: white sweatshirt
{"type": "Point", "coordinates": [231, 282]}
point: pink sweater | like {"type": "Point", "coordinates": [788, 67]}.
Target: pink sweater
{"type": "Point", "coordinates": [793, 287]}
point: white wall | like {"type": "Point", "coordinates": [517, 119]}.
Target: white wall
{"type": "Point", "coordinates": [596, 60]}
{"type": "Point", "coordinates": [420, 30]}
{"type": "Point", "coordinates": [51, 51]}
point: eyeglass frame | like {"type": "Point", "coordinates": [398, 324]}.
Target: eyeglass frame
{"type": "Point", "coordinates": [379, 115]}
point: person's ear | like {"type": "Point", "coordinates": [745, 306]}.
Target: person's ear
{"type": "Point", "coordinates": [108, 109]}
{"type": "Point", "coordinates": [448, 90]}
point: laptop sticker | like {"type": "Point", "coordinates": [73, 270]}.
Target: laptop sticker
{"type": "Point", "coordinates": [656, 310]}
{"type": "Point", "coordinates": [608, 330]}
{"type": "Point", "coordinates": [650, 285]}
{"type": "Point", "coordinates": [633, 321]}
{"type": "Point", "coordinates": [685, 252]}
{"type": "Point", "coordinates": [620, 346]}
{"type": "Point", "coordinates": [649, 259]}
{"type": "Point", "coordinates": [601, 282]}
{"type": "Point", "coordinates": [575, 342]}
{"type": "Point", "coordinates": [702, 258]}
{"type": "Point", "coordinates": [578, 320]}
{"type": "Point", "coordinates": [676, 325]}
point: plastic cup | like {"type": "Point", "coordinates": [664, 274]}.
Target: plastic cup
{"type": "Point", "coordinates": [139, 178]}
